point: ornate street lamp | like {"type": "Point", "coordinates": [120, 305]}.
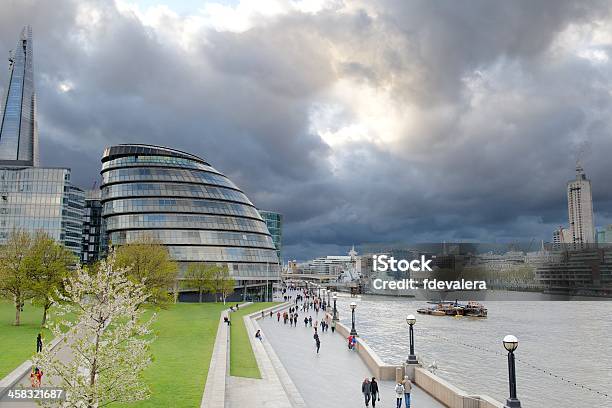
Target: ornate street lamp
{"type": "Point", "coordinates": [335, 297]}
{"type": "Point", "coordinates": [353, 307]}
{"type": "Point", "coordinates": [511, 344]}
{"type": "Point", "coordinates": [412, 359]}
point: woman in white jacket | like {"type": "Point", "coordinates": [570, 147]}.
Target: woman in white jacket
{"type": "Point", "coordinates": [399, 394]}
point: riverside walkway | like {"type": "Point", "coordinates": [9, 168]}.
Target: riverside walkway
{"type": "Point", "coordinates": [333, 377]}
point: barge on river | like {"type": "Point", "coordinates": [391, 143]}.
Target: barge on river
{"type": "Point", "coordinates": [471, 309]}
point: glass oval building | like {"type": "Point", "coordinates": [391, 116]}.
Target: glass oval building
{"type": "Point", "coordinates": [183, 202]}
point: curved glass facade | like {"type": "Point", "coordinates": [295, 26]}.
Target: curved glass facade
{"type": "Point", "coordinates": [193, 209]}
{"type": "Point", "coordinates": [182, 205]}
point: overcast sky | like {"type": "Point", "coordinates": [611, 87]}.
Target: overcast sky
{"type": "Point", "coordinates": [360, 121]}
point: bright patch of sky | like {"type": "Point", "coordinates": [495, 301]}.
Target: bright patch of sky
{"type": "Point", "coordinates": [182, 7]}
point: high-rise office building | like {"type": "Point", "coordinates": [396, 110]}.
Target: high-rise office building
{"type": "Point", "coordinates": [604, 236]}
{"type": "Point", "coordinates": [32, 198]}
{"type": "Point", "coordinates": [41, 199]}
{"type": "Point", "coordinates": [274, 222]}
{"type": "Point", "coordinates": [18, 131]}
{"type": "Point", "coordinates": [561, 237]}
{"type": "Point", "coordinates": [190, 207]}
{"type": "Point", "coordinates": [580, 209]}
{"type": "Point", "coordinates": [93, 244]}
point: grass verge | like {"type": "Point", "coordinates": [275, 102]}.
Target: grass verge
{"type": "Point", "coordinates": [242, 358]}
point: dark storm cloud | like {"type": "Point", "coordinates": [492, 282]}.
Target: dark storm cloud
{"type": "Point", "coordinates": [500, 111]}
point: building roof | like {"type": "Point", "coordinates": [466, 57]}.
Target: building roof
{"type": "Point", "coordinates": [123, 150]}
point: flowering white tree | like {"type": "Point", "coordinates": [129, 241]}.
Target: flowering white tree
{"type": "Point", "coordinates": [107, 344]}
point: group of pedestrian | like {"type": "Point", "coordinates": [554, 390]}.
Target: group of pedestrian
{"type": "Point", "coordinates": [291, 317]}
{"type": "Point", "coordinates": [309, 302]}
{"type": "Point", "coordinates": [402, 392]}
{"type": "Point", "coordinates": [352, 341]}
{"type": "Point", "coordinates": [37, 373]}
{"type": "Point", "coordinates": [324, 326]}
{"type": "Point", "coordinates": [371, 392]}
{"type": "Point", "coordinates": [369, 389]}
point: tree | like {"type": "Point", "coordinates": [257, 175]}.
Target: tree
{"type": "Point", "coordinates": [108, 342]}
{"type": "Point", "coordinates": [196, 277]}
{"type": "Point", "coordinates": [227, 287]}
{"type": "Point", "coordinates": [219, 281]}
{"type": "Point", "coordinates": [14, 280]}
{"type": "Point", "coordinates": [149, 263]}
{"type": "Point", "coordinates": [47, 266]}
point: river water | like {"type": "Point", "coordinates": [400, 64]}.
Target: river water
{"type": "Point", "coordinates": [560, 344]}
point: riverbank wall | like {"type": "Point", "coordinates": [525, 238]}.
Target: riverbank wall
{"type": "Point", "coordinates": [440, 389]}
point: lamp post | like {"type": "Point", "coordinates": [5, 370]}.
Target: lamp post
{"type": "Point", "coordinates": [411, 320]}
{"type": "Point", "coordinates": [335, 297]}
{"type": "Point", "coordinates": [353, 307]}
{"type": "Point", "coordinates": [510, 344]}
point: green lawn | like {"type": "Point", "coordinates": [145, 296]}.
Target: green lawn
{"type": "Point", "coordinates": [242, 359]}
{"type": "Point", "coordinates": [185, 337]}
{"type": "Point", "coordinates": [18, 343]}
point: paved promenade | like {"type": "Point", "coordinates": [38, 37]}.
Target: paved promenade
{"type": "Point", "coordinates": [272, 390]}
{"type": "Point", "coordinates": [333, 377]}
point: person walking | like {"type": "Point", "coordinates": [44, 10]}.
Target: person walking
{"type": "Point", "coordinates": [333, 326]}
{"type": "Point", "coordinates": [310, 321]}
{"type": "Point", "coordinates": [33, 377]}
{"type": "Point", "coordinates": [317, 340]}
{"type": "Point", "coordinates": [366, 390]}
{"type": "Point", "coordinates": [374, 391]}
{"type": "Point", "coordinates": [407, 389]}
{"type": "Point", "coordinates": [39, 343]}
{"type": "Point", "coordinates": [399, 394]}
{"type": "Point", "coordinates": [39, 375]}
{"type": "Point", "coordinates": [278, 316]}
{"type": "Point", "coordinates": [305, 322]}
